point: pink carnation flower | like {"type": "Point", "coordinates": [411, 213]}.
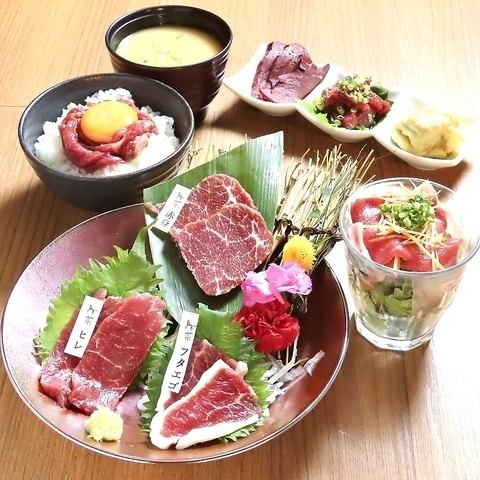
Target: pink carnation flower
{"type": "Point", "coordinates": [288, 277]}
{"type": "Point", "coordinates": [256, 289]}
{"type": "Point", "coordinates": [263, 287]}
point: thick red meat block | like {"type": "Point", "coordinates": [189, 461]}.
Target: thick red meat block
{"type": "Point", "coordinates": [208, 197]}
{"type": "Point", "coordinates": [56, 375]}
{"type": "Point", "coordinates": [222, 248]}
{"type": "Point", "coordinates": [202, 357]}
{"type": "Point", "coordinates": [116, 352]}
{"type": "Point", "coordinates": [220, 403]}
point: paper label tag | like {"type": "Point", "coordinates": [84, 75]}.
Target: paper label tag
{"type": "Point", "coordinates": [172, 208]}
{"type": "Point", "coordinates": [84, 326]}
{"type": "Point", "coordinates": [181, 353]}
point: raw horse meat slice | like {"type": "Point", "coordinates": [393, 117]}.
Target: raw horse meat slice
{"type": "Point", "coordinates": [221, 249]}
{"type": "Point", "coordinates": [220, 403]}
{"type": "Point", "coordinates": [202, 357]}
{"type": "Point", "coordinates": [207, 198]}
{"type": "Point", "coordinates": [116, 352]}
{"type": "Point", "coordinates": [286, 73]}
{"type": "Point", "coordinates": [126, 144]}
{"type": "Point", "coordinates": [56, 375]}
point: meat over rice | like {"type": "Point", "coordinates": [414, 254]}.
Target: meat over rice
{"type": "Point", "coordinates": [49, 147]}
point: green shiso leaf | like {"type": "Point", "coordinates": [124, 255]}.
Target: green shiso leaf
{"type": "Point", "coordinates": [123, 275]}
{"type": "Point", "coordinates": [241, 433]}
{"type": "Point", "coordinates": [219, 329]}
{"type": "Point", "coordinates": [155, 354]}
{"type": "Point", "coordinates": [160, 355]}
{"type": "Point", "coordinates": [256, 165]}
{"type": "Point", "coordinates": [310, 108]}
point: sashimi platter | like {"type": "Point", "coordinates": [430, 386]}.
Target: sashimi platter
{"type": "Point", "coordinates": [204, 320]}
{"type": "Point", "coordinates": [198, 324]}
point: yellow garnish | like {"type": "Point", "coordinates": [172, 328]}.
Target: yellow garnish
{"type": "Point", "coordinates": [299, 250]}
{"type": "Point", "coordinates": [103, 424]}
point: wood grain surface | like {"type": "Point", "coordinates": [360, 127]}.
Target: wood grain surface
{"type": "Point", "coordinates": [388, 415]}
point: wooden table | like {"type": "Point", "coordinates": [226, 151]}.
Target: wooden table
{"type": "Point", "coordinates": [388, 415]}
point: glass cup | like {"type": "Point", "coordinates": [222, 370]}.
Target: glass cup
{"type": "Point", "coordinates": [398, 309]}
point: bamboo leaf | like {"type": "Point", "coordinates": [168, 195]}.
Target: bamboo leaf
{"type": "Point", "coordinates": [256, 165]}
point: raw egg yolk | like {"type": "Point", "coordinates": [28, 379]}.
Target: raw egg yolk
{"type": "Point", "coordinates": [101, 121]}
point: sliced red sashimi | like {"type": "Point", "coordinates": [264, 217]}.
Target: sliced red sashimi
{"type": "Point", "coordinates": [367, 210]}
{"type": "Point", "coordinates": [202, 357]}
{"type": "Point", "coordinates": [221, 249]}
{"type": "Point", "coordinates": [116, 352]}
{"type": "Point", "coordinates": [421, 262]}
{"type": "Point", "coordinates": [220, 403]}
{"type": "Point", "coordinates": [56, 374]}
{"type": "Point", "coordinates": [384, 249]}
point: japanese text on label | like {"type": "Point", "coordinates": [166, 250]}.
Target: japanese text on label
{"type": "Point", "coordinates": [171, 208]}
{"type": "Point", "coordinates": [178, 363]}
{"type": "Point", "coordinates": [84, 326]}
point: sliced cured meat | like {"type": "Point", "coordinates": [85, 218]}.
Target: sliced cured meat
{"type": "Point", "coordinates": [286, 73]}
{"type": "Point", "coordinates": [366, 210]}
{"type": "Point", "coordinates": [440, 220]}
{"type": "Point", "coordinates": [126, 144]}
{"type": "Point", "coordinates": [220, 403]}
{"type": "Point", "coordinates": [116, 352]}
{"type": "Point", "coordinates": [202, 357]}
{"type": "Point", "coordinates": [221, 249]}
{"type": "Point", "coordinates": [56, 374]}
{"type": "Point", "coordinates": [356, 237]}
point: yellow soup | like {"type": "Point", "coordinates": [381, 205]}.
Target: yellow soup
{"type": "Point", "coordinates": [169, 46]}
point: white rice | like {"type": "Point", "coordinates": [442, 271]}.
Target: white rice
{"type": "Point", "coordinates": [49, 148]}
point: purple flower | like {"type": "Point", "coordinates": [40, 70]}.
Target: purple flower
{"type": "Point", "coordinates": [256, 289]}
{"type": "Point", "coordinates": [288, 277]}
{"type": "Point", "coordinates": [266, 286]}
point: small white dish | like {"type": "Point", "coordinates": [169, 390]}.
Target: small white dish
{"type": "Point", "coordinates": [241, 84]}
{"type": "Point", "coordinates": [341, 134]}
{"type": "Point", "coordinates": [383, 134]}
